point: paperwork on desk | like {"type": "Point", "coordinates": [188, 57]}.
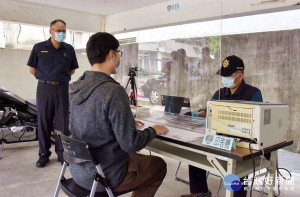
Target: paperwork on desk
{"type": "Point", "coordinates": [181, 128]}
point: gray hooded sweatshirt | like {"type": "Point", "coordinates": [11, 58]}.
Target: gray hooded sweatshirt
{"type": "Point", "coordinates": [100, 115]}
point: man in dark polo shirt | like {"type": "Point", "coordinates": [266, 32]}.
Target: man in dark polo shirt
{"type": "Point", "coordinates": [52, 62]}
{"type": "Point", "coordinates": [235, 88]}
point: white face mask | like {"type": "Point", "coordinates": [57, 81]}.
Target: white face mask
{"type": "Point", "coordinates": [59, 36]}
{"type": "Point", "coordinates": [228, 82]}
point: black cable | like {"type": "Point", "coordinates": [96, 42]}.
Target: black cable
{"type": "Point", "coordinates": [278, 169]}
{"type": "Point", "coordinates": [253, 168]}
{"type": "Point", "coordinates": [22, 135]}
{"type": "Point", "coordinates": [279, 173]}
{"type": "Point", "coordinates": [12, 134]}
{"type": "Point", "coordinates": [282, 175]}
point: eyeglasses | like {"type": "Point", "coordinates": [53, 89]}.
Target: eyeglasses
{"type": "Point", "coordinates": [119, 51]}
{"type": "Point", "coordinates": [59, 30]}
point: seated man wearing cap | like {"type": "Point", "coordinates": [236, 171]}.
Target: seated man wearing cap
{"type": "Point", "coordinates": [235, 88]}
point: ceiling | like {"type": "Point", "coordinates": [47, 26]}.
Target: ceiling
{"type": "Point", "coordinates": [99, 7]}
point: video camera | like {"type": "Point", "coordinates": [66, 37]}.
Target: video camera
{"type": "Point", "coordinates": [134, 68]}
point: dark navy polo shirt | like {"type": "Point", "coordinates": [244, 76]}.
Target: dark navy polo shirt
{"type": "Point", "coordinates": [244, 92]}
{"type": "Point", "coordinates": [53, 64]}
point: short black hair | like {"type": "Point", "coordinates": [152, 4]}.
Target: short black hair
{"type": "Point", "coordinates": [99, 45]}
{"type": "Point", "coordinates": [57, 20]}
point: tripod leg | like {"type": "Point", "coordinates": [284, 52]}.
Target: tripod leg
{"type": "Point", "coordinates": [132, 97]}
{"type": "Point", "coordinates": [132, 94]}
{"type": "Point", "coordinates": [127, 84]}
{"type": "Point", "coordinates": [135, 92]}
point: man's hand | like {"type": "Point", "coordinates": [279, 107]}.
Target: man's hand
{"type": "Point", "coordinates": [72, 71]}
{"type": "Point", "coordinates": [160, 129]}
{"type": "Point", "coordinates": [202, 114]}
{"type": "Point", "coordinates": [32, 70]}
{"type": "Point", "coordinates": [139, 123]}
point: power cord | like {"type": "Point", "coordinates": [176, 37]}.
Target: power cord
{"type": "Point", "coordinates": [253, 167]}
{"type": "Point", "coordinates": [13, 135]}
{"type": "Point", "coordinates": [279, 174]}
{"type": "Point", "coordinates": [263, 154]}
{"type": "Point", "coordinates": [22, 134]}
{"type": "Point", "coordinates": [278, 171]}
{"type": "Point", "coordinates": [254, 141]}
{"type": "Point", "coordinates": [262, 157]}
{"type": "Point", "coordinates": [19, 138]}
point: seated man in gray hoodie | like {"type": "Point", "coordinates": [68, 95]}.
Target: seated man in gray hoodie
{"type": "Point", "coordinates": [100, 115]}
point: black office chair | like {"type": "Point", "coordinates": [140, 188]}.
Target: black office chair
{"type": "Point", "coordinates": [76, 151]}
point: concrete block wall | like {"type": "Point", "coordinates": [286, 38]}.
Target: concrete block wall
{"type": "Point", "coordinates": [272, 64]}
{"type": "Point", "coordinates": [15, 76]}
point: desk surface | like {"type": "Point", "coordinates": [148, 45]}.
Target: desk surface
{"type": "Point", "coordinates": [190, 135]}
{"type": "Point", "coordinates": [238, 154]}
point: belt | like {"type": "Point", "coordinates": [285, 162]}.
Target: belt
{"type": "Point", "coordinates": [53, 82]}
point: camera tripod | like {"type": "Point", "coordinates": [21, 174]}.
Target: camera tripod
{"type": "Point", "coordinates": [133, 89]}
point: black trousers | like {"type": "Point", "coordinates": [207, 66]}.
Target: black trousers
{"type": "Point", "coordinates": [52, 109]}
{"type": "Point", "coordinates": [198, 183]}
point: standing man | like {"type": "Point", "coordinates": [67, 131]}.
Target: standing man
{"type": "Point", "coordinates": [52, 62]}
{"type": "Point", "coordinates": [235, 88]}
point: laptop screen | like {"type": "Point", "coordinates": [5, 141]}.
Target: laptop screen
{"type": "Point", "coordinates": [175, 104]}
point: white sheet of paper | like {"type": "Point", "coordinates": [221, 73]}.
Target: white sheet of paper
{"type": "Point", "coordinates": [175, 133]}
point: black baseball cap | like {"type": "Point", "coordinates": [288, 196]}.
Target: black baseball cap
{"type": "Point", "coordinates": [229, 65]}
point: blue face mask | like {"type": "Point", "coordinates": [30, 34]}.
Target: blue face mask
{"type": "Point", "coordinates": [60, 36]}
{"type": "Point", "coordinates": [228, 82]}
